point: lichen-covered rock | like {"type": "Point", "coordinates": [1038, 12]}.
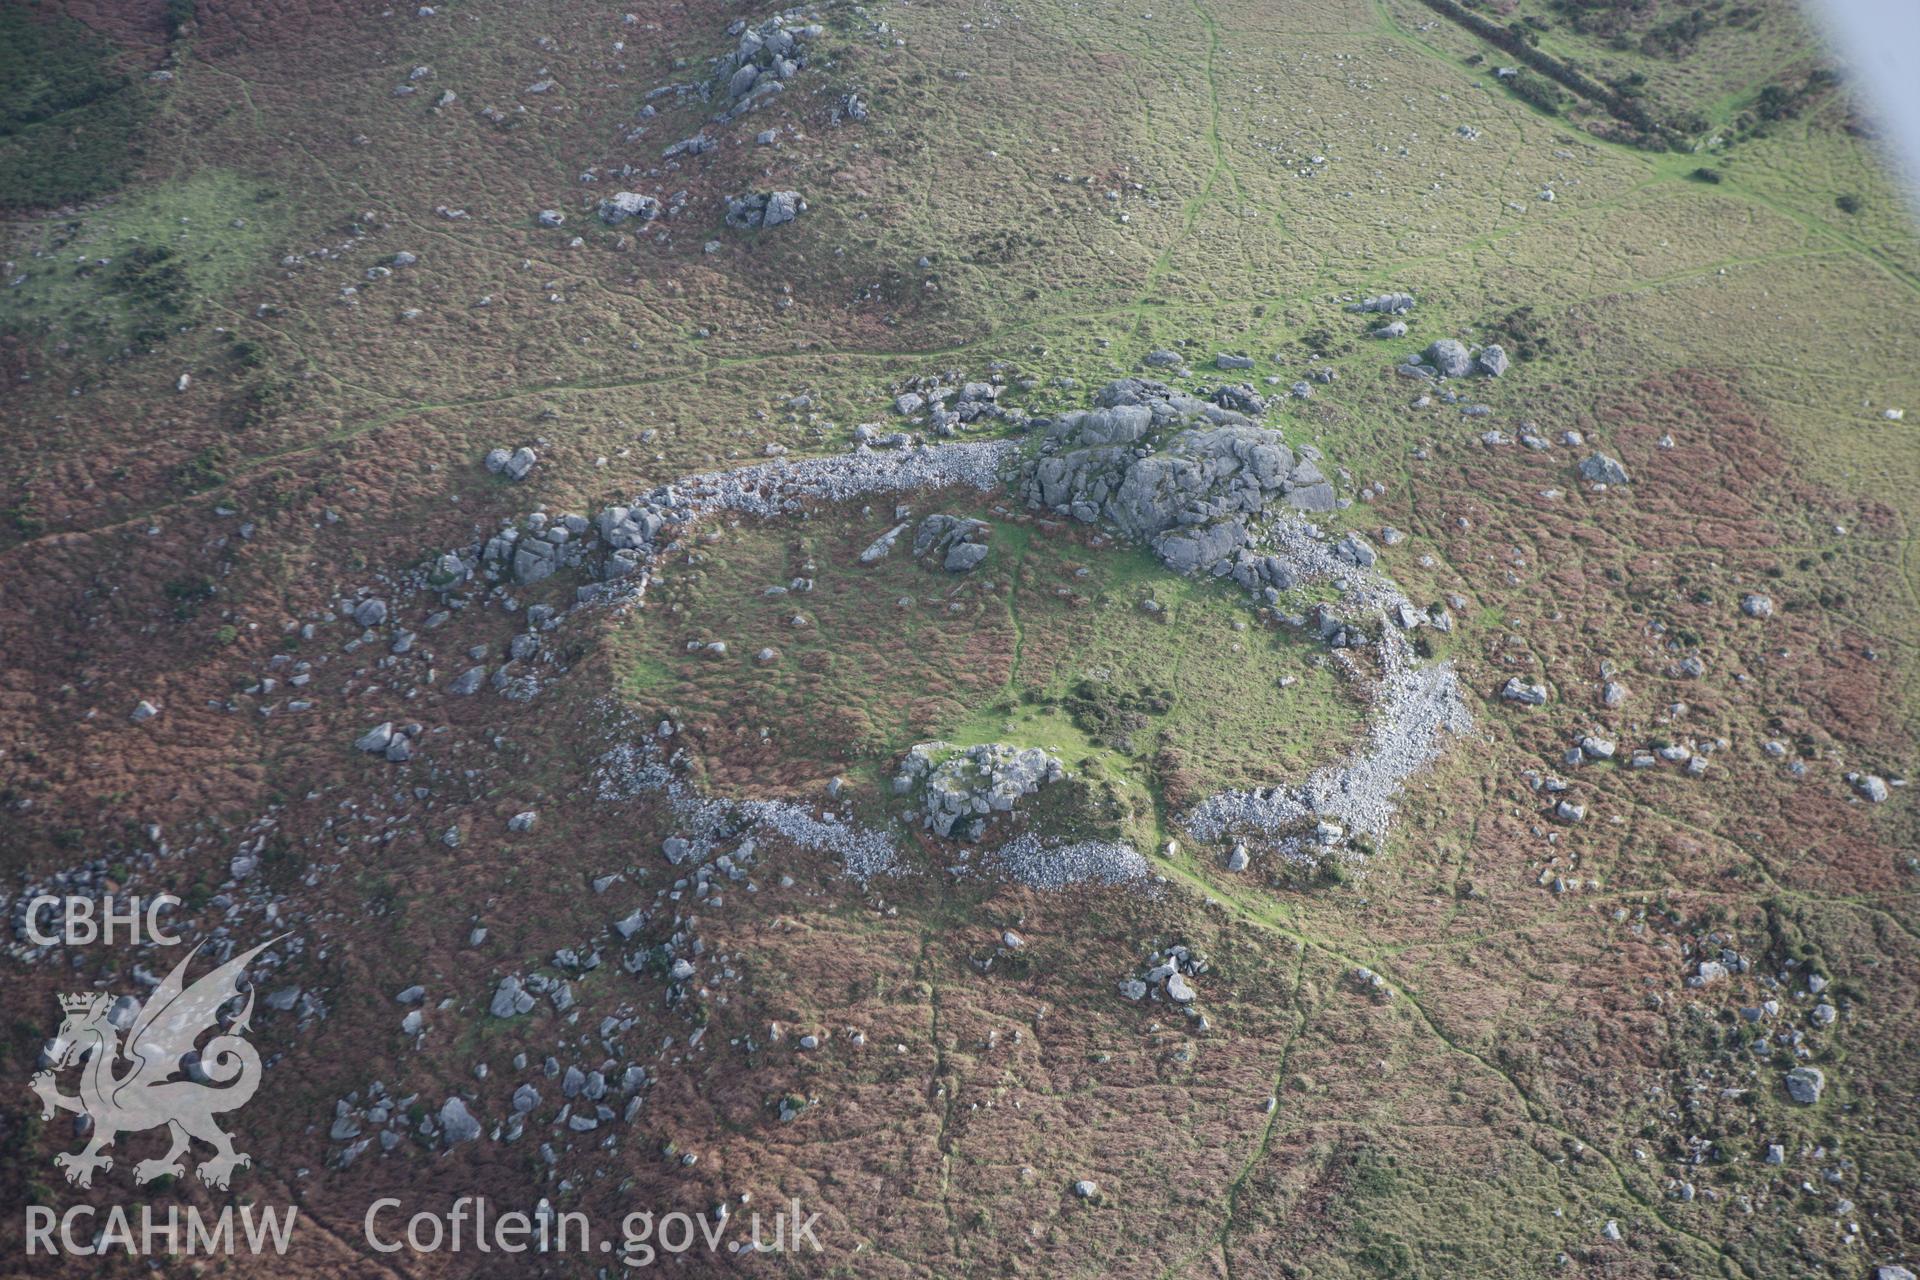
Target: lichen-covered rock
{"type": "Point", "coordinates": [1806, 1084]}
{"type": "Point", "coordinates": [1518, 690]}
{"type": "Point", "coordinates": [1449, 356]}
{"type": "Point", "coordinates": [767, 56]}
{"type": "Point", "coordinates": [1172, 471]}
{"type": "Point", "coordinates": [1391, 304]}
{"type": "Point", "coordinates": [1598, 468]}
{"type": "Point", "coordinates": [882, 546]}
{"type": "Point", "coordinates": [623, 205]}
{"type": "Point", "coordinates": [959, 542]}
{"type": "Point", "coordinates": [1241, 398]}
{"type": "Point", "coordinates": [767, 209]}
{"type": "Point", "coordinates": [961, 789]}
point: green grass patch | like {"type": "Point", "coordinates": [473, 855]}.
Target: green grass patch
{"type": "Point", "coordinates": [137, 270]}
{"type": "Point", "coordinates": [1159, 688]}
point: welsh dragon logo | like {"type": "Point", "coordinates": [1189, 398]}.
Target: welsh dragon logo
{"type": "Point", "coordinates": [150, 1091]}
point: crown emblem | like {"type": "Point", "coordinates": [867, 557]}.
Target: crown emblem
{"type": "Point", "coordinates": [80, 1002]}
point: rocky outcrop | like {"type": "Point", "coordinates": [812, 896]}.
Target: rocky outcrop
{"type": "Point", "coordinates": [1179, 474]}
{"type": "Point", "coordinates": [765, 58]}
{"type": "Point", "coordinates": [959, 543]}
{"type": "Point", "coordinates": [962, 789]}
{"type": "Point", "coordinates": [767, 209]}
{"type": "Point", "coordinates": [623, 205]}
{"type": "Point", "coordinates": [1388, 304]}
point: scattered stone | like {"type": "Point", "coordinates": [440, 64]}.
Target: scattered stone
{"type": "Point", "coordinates": [510, 998]}
{"type": "Point", "coordinates": [766, 58]}
{"type": "Point", "coordinates": [1392, 304]}
{"type": "Point", "coordinates": [1707, 973]}
{"type": "Point", "coordinates": [961, 542]}
{"type": "Point", "coordinates": [1450, 357]}
{"type": "Point", "coordinates": [1372, 982]}
{"type": "Point", "coordinates": [697, 145]}
{"type": "Point", "coordinates": [1805, 1085]}
{"type": "Point", "coordinates": [877, 550]}
{"type": "Point", "coordinates": [1356, 550]}
{"type": "Point", "coordinates": [1241, 398]}
{"type": "Point", "coordinates": [1598, 468]}
{"type": "Point", "coordinates": [622, 206]}
{"type": "Point", "coordinates": [457, 1124]}
{"type": "Point", "coordinates": [1518, 690]}
{"type": "Point", "coordinates": [770, 209]}
{"type": "Point", "coordinates": [375, 740]}
{"type": "Point", "coordinates": [1054, 865]}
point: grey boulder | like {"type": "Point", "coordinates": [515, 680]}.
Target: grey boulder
{"type": "Point", "coordinates": [457, 1124]}
{"type": "Point", "coordinates": [1805, 1085]}
{"type": "Point", "coordinates": [1450, 357]}
{"type": "Point", "coordinates": [1598, 468]}
{"type": "Point", "coordinates": [623, 205]}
